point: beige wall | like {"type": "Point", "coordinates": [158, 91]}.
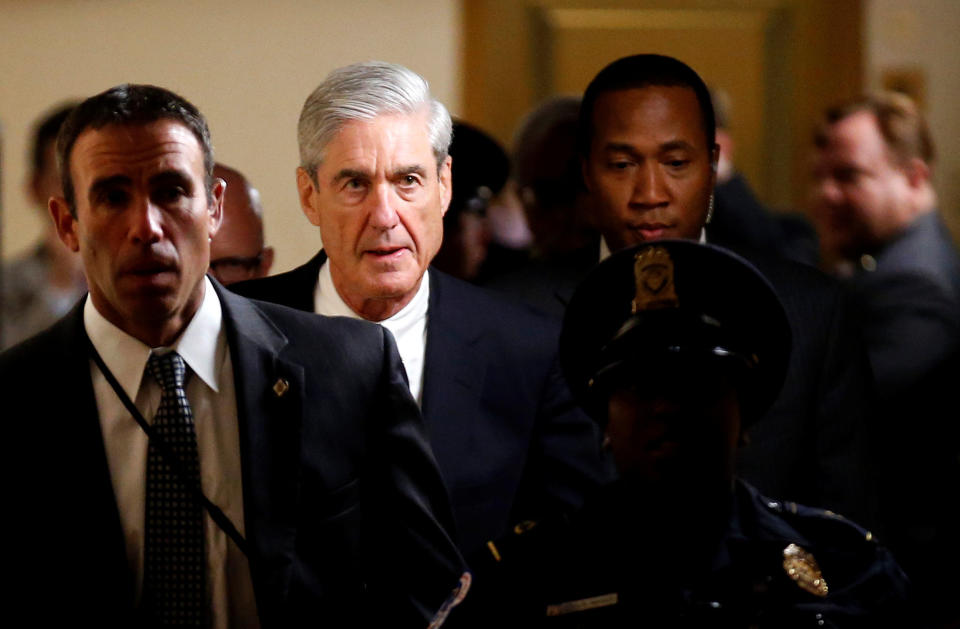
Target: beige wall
{"type": "Point", "coordinates": [247, 64]}
{"type": "Point", "coordinates": [920, 37]}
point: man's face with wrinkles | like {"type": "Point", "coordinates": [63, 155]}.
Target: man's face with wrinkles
{"type": "Point", "coordinates": [379, 201]}
{"type": "Point", "coordinates": [143, 222]}
{"type": "Point", "coordinates": [649, 169]}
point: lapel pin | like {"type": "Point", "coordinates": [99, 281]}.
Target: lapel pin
{"type": "Point", "coordinates": [280, 387]}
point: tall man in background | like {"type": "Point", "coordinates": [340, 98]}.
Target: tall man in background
{"type": "Point", "coordinates": [649, 155]}
{"type": "Point", "coordinates": [375, 177]}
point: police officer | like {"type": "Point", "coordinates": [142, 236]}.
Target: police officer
{"type": "Point", "coordinates": [674, 348]}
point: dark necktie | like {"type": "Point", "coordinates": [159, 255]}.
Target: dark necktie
{"type": "Point", "coordinates": [174, 557]}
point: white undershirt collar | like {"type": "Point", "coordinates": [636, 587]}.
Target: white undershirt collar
{"type": "Point", "coordinates": [201, 344]}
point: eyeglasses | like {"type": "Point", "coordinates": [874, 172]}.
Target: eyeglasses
{"type": "Point", "coordinates": [235, 268]}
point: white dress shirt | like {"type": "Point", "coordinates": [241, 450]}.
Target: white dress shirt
{"type": "Point", "coordinates": [409, 326]}
{"type": "Point", "coordinates": [211, 394]}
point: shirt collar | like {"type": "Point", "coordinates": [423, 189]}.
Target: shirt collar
{"type": "Point", "coordinates": [202, 344]}
{"type": "Point", "coordinates": [327, 301]}
{"type": "Point", "coordinates": [605, 248]}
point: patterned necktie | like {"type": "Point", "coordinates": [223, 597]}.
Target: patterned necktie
{"type": "Point", "coordinates": [175, 561]}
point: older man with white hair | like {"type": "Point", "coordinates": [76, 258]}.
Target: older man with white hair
{"type": "Point", "coordinates": [375, 177]}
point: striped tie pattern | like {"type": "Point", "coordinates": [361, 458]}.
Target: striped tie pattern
{"type": "Point", "coordinates": [174, 557]}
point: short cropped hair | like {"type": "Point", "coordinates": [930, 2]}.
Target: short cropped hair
{"type": "Point", "coordinates": [45, 132]}
{"type": "Point", "coordinates": [363, 91]}
{"type": "Point", "coordinates": [131, 105]}
{"type": "Point", "coordinates": [640, 71]}
{"type": "Point", "coordinates": [899, 119]}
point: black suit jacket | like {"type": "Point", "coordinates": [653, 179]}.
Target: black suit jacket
{"type": "Point", "coordinates": [910, 296]}
{"type": "Point", "coordinates": [509, 441]}
{"type": "Point", "coordinates": [343, 503]}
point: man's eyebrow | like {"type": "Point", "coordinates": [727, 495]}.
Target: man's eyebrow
{"type": "Point", "coordinates": [414, 169]}
{"type": "Point", "coordinates": [102, 185]}
{"type": "Point", "coordinates": [672, 145]}
{"type": "Point", "coordinates": [171, 176]}
{"type": "Point", "coordinates": [677, 145]}
{"type": "Point", "coordinates": [619, 147]}
{"type": "Point", "coordinates": [350, 173]}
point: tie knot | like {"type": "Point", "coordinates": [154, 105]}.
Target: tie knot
{"type": "Point", "coordinates": [168, 370]}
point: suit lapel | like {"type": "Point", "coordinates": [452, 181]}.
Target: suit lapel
{"type": "Point", "coordinates": [302, 284]}
{"type": "Point", "coordinates": [452, 381]}
{"type": "Point", "coordinates": [269, 394]}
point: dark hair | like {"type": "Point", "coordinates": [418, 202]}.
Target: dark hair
{"type": "Point", "coordinates": [45, 132]}
{"type": "Point", "coordinates": [900, 122]}
{"type": "Point", "coordinates": [643, 71]}
{"type": "Point", "coordinates": [131, 105]}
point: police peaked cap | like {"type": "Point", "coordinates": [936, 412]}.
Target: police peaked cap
{"type": "Point", "coordinates": [670, 307]}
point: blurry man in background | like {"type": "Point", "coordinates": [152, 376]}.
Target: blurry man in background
{"type": "Point", "coordinates": [480, 168]}
{"type": "Point", "coordinates": [39, 288]}
{"type": "Point", "coordinates": [875, 210]}
{"type": "Point", "coordinates": [237, 252]}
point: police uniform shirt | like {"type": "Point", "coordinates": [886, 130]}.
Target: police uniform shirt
{"type": "Point", "coordinates": [210, 391]}
{"type": "Point", "coordinates": [409, 326]}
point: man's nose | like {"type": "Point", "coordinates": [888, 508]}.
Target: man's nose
{"type": "Point", "coordinates": [146, 221]}
{"type": "Point", "coordinates": [649, 187]}
{"type": "Point", "coordinates": [383, 213]}
{"type": "Point", "coordinates": [827, 190]}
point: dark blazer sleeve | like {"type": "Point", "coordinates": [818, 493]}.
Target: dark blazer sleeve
{"type": "Point", "coordinates": [846, 400]}
{"type": "Point", "coordinates": [565, 462]}
{"type": "Point", "coordinates": [911, 327]}
{"type": "Point", "coordinates": [412, 564]}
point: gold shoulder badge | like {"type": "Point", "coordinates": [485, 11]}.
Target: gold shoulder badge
{"type": "Point", "coordinates": [653, 272]}
{"type": "Point", "coordinates": [802, 568]}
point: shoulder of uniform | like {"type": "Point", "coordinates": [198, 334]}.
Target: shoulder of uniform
{"type": "Point", "coordinates": [817, 523]}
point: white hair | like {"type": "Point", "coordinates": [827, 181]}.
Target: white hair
{"type": "Point", "coordinates": [363, 91]}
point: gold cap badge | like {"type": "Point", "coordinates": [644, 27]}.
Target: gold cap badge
{"type": "Point", "coordinates": [802, 568]}
{"type": "Point", "coordinates": [653, 272]}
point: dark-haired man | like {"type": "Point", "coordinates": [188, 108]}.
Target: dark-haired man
{"type": "Point", "coordinates": [649, 163]}
{"type": "Point", "coordinates": [204, 460]}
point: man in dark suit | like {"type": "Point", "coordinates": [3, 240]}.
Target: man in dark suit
{"type": "Point", "coordinates": [649, 164]}
{"type": "Point", "coordinates": [286, 480]}
{"type": "Point", "coordinates": [875, 209]}
{"type": "Point", "coordinates": [375, 177]}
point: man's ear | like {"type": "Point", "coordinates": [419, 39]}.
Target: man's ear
{"type": "Point", "coordinates": [266, 261]}
{"type": "Point", "coordinates": [446, 183]}
{"type": "Point", "coordinates": [216, 208]}
{"type": "Point", "coordinates": [918, 172]}
{"type": "Point", "coordinates": [306, 189]}
{"type": "Point", "coordinates": [65, 222]}
{"type": "Point", "coordinates": [585, 174]}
